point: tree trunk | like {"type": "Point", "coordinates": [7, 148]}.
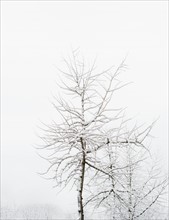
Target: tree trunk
{"type": "Point", "coordinates": [81, 183]}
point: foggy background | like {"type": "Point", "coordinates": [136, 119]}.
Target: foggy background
{"type": "Point", "coordinates": [35, 36]}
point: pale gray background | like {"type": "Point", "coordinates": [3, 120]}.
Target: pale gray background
{"type": "Point", "coordinates": [35, 36]}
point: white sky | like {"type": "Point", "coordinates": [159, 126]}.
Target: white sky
{"type": "Point", "coordinates": [34, 37]}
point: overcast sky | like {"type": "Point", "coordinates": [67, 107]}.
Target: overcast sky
{"type": "Point", "coordinates": [35, 37]}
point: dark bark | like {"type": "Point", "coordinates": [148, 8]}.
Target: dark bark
{"type": "Point", "coordinates": [80, 196]}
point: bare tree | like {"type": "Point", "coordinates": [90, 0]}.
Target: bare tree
{"type": "Point", "coordinates": [75, 141]}
{"type": "Point", "coordinates": [82, 143]}
{"type": "Point", "coordinates": [136, 189]}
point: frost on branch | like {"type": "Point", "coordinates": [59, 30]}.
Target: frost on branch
{"type": "Point", "coordinates": [85, 146]}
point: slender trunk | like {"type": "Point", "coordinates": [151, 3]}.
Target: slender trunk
{"type": "Point", "coordinates": [113, 212]}
{"type": "Point", "coordinates": [83, 163]}
{"type": "Point", "coordinates": [81, 184]}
